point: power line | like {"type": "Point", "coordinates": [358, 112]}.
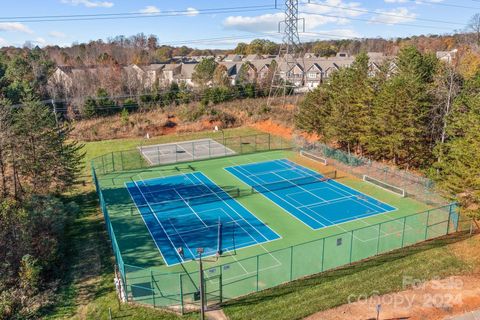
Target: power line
{"type": "Point", "coordinates": [384, 13]}
{"type": "Point", "coordinates": [377, 22]}
{"type": "Point", "coordinates": [443, 4]}
{"type": "Point", "coordinates": [117, 16]}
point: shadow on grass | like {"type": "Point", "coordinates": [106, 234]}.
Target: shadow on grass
{"type": "Point", "coordinates": [351, 270]}
{"type": "Point", "coordinates": [87, 262]}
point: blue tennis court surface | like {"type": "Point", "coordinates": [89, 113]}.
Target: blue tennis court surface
{"type": "Point", "coordinates": [307, 195]}
{"type": "Point", "coordinates": [189, 211]}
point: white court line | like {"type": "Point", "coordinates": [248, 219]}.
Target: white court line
{"type": "Point", "coordinates": [146, 225]}
{"type": "Point", "coordinates": [332, 223]}
{"type": "Point", "coordinates": [281, 199]}
{"type": "Point", "coordinates": [153, 212]}
{"type": "Point", "coordinates": [181, 238]}
{"type": "Point", "coordinates": [257, 243]}
{"type": "Point", "coordinates": [191, 208]}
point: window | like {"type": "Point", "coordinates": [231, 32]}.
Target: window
{"type": "Point", "coordinates": [312, 75]}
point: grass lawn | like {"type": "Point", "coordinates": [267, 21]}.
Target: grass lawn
{"type": "Point", "coordinates": [87, 285]}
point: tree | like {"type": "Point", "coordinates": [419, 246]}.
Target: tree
{"type": "Point", "coordinates": [203, 72]}
{"type": "Point", "coordinates": [457, 170]}
{"type": "Point", "coordinates": [474, 26]}
{"type": "Point", "coordinates": [220, 76]}
{"type": "Point", "coordinates": [241, 48]}
{"type": "Point", "coordinates": [323, 49]}
{"type": "Point", "coordinates": [46, 160]}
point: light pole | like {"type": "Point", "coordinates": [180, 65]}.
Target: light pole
{"type": "Point", "coordinates": [202, 293]}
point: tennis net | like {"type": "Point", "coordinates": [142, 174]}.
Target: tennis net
{"type": "Point", "coordinates": [166, 205]}
{"type": "Point", "coordinates": [285, 184]}
{"type": "Point", "coordinates": [314, 157]}
{"type": "Point", "coordinates": [393, 189]}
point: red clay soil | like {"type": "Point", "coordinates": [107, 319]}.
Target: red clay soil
{"type": "Point", "coordinates": [432, 300]}
{"type": "Point", "coordinates": [281, 130]}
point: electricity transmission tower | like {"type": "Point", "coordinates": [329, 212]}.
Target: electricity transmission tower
{"type": "Point", "coordinates": [285, 80]}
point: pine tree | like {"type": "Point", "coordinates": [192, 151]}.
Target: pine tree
{"type": "Point", "coordinates": [458, 169]}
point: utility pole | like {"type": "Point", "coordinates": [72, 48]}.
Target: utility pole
{"type": "Point", "coordinates": [290, 57]}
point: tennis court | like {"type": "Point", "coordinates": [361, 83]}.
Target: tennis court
{"type": "Point", "coordinates": [184, 151]}
{"type": "Point", "coordinates": [189, 211]}
{"type": "Point", "coordinates": [316, 200]}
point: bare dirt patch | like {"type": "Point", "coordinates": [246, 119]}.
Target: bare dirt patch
{"type": "Point", "coordinates": [435, 299]}
{"type": "Point", "coordinates": [284, 131]}
{"type": "Point", "coordinates": [431, 300]}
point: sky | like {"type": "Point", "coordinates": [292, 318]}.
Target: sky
{"type": "Point", "coordinates": [208, 24]}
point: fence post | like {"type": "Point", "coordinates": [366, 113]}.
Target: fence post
{"type": "Point", "coordinates": [126, 281]}
{"type": "Point", "coordinates": [241, 145]}
{"type": "Point", "coordinates": [176, 153]}
{"type": "Point", "coordinates": [257, 270]}
{"type": "Point", "coordinates": [351, 247]}
{"type": "Point", "coordinates": [449, 218]}
{"type": "Point", "coordinates": [153, 289]}
{"type": "Point", "coordinates": [426, 224]}
{"type": "Point", "coordinates": [269, 141]}
{"type": "Point", "coordinates": [403, 232]}
{"type": "Point", "coordinates": [103, 165]}
{"type": "Point", "coordinates": [181, 295]}
{"type": "Point", "coordinates": [378, 237]}
{"type": "Point", "coordinates": [323, 253]}
{"type": "Point", "coordinates": [158, 155]}
{"type": "Point", "coordinates": [209, 149]}
{"type": "Point", "coordinates": [193, 150]}
{"type": "Point", "coordinates": [121, 159]}
{"type": "Point", "coordinates": [221, 285]}
{"type": "Point", "coordinates": [113, 163]}
{"type": "Point", "coordinates": [291, 263]}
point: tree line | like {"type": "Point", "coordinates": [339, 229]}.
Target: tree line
{"type": "Point", "coordinates": [38, 164]}
{"type": "Point", "coordinates": [422, 115]}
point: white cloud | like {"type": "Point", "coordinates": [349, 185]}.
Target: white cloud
{"type": "Point", "coordinates": [89, 3]}
{"type": "Point", "coordinates": [192, 12]}
{"type": "Point", "coordinates": [319, 13]}
{"type": "Point", "coordinates": [57, 34]}
{"type": "Point", "coordinates": [14, 26]}
{"type": "Point", "coordinates": [398, 15]}
{"type": "Point", "coordinates": [150, 10]}
{"type": "Point", "coordinates": [397, 1]}
{"type": "Point", "coordinates": [4, 43]}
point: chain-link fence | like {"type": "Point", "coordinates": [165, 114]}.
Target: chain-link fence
{"type": "Point", "coordinates": [414, 185]}
{"type": "Point", "coordinates": [180, 290]}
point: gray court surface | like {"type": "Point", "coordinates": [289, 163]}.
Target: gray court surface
{"type": "Point", "coordinates": [184, 151]}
